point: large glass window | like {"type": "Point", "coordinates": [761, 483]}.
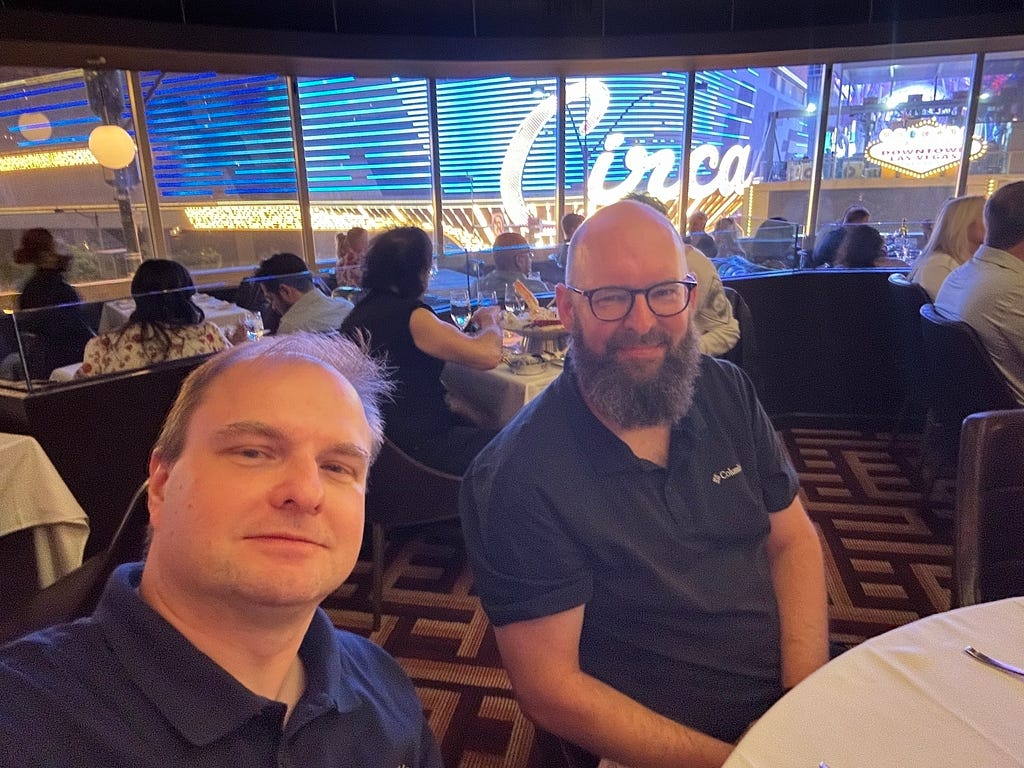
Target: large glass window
{"type": "Point", "coordinates": [49, 178]}
{"type": "Point", "coordinates": [496, 140]}
{"type": "Point", "coordinates": [753, 133]}
{"type": "Point", "coordinates": [623, 134]}
{"type": "Point", "coordinates": [367, 147]}
{"type": "Point", "coordinates": [1000, 126]}
{"type": "Point", "coordinates": [894, 141]}
{"type": "Point", "coordinates": [224, 163]}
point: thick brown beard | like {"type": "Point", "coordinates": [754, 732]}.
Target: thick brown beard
{"type": "Point", "coordinates": [613, 390]}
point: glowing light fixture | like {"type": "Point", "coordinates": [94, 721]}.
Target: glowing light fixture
{"type": "Point", "coordinates": [811, 108]}
{"type": "Point", "coordinates": [35, 126]}
{"type": "Point", "coordinates": [112, 146]}
{"type": "Point", "coordinates": [32, 161]}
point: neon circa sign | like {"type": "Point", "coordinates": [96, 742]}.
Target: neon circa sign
{"type": "Point", "coordinates": [922, 149]}
{"type": "Point", "coordinates": [730, 177]}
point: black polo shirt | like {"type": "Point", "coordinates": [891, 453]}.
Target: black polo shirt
{"type": "Point", "coordinates": [124, 688]}
{"type": "Point", "coordinates": [671, 563]}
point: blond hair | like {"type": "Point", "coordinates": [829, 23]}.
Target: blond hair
{"type": "Point", "coordinates": [329, 350]}
{"type": "Point", "coordinates": [950, 233]}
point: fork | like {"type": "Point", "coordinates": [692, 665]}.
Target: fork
{"type": "Point", "coordinates": [1000, 665]}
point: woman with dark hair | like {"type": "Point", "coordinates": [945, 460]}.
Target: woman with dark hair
{"type": "Point", "coordinates": [47, 285]}
{"type": "Point", "coordinates": [165, 325]}
{"type": "Point", "coordinates": [54, 337]}
{"type": "Point", "coordinates": [863, 246]}
{"type": "Point", "coordinates": [402, 330]}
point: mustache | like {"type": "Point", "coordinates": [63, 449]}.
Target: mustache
{"type": "Point", "coordinates": [624, 338]}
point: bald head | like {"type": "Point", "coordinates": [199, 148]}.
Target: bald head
{"type": "Point", "coordinates": [627, 233]}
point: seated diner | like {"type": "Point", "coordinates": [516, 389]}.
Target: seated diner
{"type": "Point", "coordinates": [415, 343]}
{"type": "Point", "coordinates": [166, 324]}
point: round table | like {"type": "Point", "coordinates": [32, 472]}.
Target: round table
{"type": "Point", "coordinates": [909, 697]}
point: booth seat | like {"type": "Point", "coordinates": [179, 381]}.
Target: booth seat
{"type": "Point", "coordinates": [826, 344]}
{"type": "Point", "coordinates": [98, 434]}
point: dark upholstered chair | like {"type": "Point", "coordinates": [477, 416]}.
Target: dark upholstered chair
{"type": "Point", "coordinates": [75, 594]}
{"type": "Point", "coordinates": [961, 380]}
{"type": "Point", "coordinates": [908, 298]}
{"type": "Point", "coordinates": [988, 561]}
{"type": "Point", "coordinates": [744, 354]}
{"type": "Point", "coordinates": [403, 493]}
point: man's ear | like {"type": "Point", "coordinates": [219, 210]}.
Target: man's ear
{"type": "Point", "coordinates": [159, 470]}
{"type": "Point", "coordinates": [289, 294]}
{"type": "Point", "coordinates": [566, 310]}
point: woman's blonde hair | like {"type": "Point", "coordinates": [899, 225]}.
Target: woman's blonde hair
{"type": "Point", "coordinates": [951, 225]}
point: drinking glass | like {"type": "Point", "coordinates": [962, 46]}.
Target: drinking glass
{"type": "Point", "coordinates": [514, 303]}
{"type": "Point", "coordinates": [488, 298]}
{"type": "Point", "coordinates": [460, 309]}
{"type": "Point", "coordinates": [253, 326]}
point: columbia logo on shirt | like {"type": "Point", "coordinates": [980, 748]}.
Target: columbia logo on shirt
{"type": "Point", "coordinates": [725, 474]}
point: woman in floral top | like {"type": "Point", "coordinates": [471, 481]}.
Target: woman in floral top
{"type": "Point", "coordinates": [165, 325]}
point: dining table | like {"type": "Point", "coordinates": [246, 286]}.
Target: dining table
{"type": "Point", "coordinates": [33, 496]}
{"type": "Point", "coordinates": [909, 697]}
{"type": "Point", "coordinates": [228, 316]}
{"type": "Point", "coordinates": [491, 398]}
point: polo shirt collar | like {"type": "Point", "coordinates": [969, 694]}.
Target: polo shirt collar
{"type": "Point", "coordinates": [197, 697]}
{"type": "Point", "coordinates": [1000, 258]}
{"type": "Point", "coordinates": [606, 452]}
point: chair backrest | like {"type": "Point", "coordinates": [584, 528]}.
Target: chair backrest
{"type": "Point", "coordinates": [908, 298]}
{"type": "Point", "coordinates": [988, 561]}
{"type": "Point", "coordinates": [403, 491]}
{"type": "Point", "coordinates": [77, 593]}
{"type": "Point", "coordinates": [744, 354]}
{"type": "Point", "coordinates": [962, 379]}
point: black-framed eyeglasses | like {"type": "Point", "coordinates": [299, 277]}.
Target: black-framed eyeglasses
{"type": "Point", "coordinates": [613, 302]}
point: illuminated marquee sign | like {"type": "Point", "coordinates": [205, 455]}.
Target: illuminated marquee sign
{"type": "Point", "coordinates": [922, 149]}
{"type": "Point", "coordinates": [730, 167]}
{"type": "Point", "coordinates": [33, 161]}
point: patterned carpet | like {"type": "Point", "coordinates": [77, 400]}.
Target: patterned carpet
{"type": "Point", "coordinates": [887, 555]}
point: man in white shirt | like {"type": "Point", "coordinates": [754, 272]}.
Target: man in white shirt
{"type": "Point", "coordinates": [987, 292]}
{"type": "Point", "coordinates": [288, 285]}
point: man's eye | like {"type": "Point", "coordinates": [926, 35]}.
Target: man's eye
{"type": "Point", "coordinates": [251, 453]}
{"type": "Point", "coordinates": [339, 468]}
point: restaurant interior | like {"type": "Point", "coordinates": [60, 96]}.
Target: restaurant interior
{"type": "Point", "coordinates": [219, 133]}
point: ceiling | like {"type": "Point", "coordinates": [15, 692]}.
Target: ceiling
{"type": "Point", "coordinates": [291, 32]}
{"type": "Point", "coordinates": [524, 18]}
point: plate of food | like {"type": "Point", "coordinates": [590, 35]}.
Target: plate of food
{"type": "Point", "coordinates": [535, 319]}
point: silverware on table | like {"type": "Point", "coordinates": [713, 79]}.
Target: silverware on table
{"type": "Point", "coordinates": [1000, 665]}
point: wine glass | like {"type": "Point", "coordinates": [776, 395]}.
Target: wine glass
{"type": "Point", "coordinates": [514, 303]}
{"type": "Point", "coordinates": [488, 298]}
{"type": "Point", "coordinates": [460, 309]}
{"type": "Point", "coordinates": [253, 323]}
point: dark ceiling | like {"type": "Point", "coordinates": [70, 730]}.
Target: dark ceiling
{"type": "Point", "coordinates": [525, 18]}
{"type": "Point", "coordinates": [289, 34]}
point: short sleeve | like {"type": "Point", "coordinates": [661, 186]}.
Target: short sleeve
{"type": "Point", "coordinates": [525, 564]}
{"type": "Point", "coordinates": [779, 482]}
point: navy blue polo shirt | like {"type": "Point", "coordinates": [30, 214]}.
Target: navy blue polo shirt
{"type": "Point", "coordinates": [671, 563]}
{"type": "Point", "coordinates": [124, 688]}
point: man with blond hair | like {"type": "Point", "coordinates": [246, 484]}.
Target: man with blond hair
{"type": "Point", "coordinates": [213, 652]}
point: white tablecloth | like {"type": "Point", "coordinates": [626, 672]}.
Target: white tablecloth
{"type": "Point", "coordinates": [491, 398]}
{"type": "Point", "coordinates": [33, 495]}
{"type": "Point", "coordinates": [115, 313]}
{"type": "Point", "coordinates": [906, 699]}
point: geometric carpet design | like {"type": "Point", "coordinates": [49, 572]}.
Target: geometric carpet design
{"type": "Point", "coordinates": [887, 558]}
{"type": "Point", "coordinates": [888, 550]}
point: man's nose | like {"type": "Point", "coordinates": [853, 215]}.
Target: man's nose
{"type": "Point", "coordinates": [640, 317]}
{"type": "Point", "coordinates": [300, 487]}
